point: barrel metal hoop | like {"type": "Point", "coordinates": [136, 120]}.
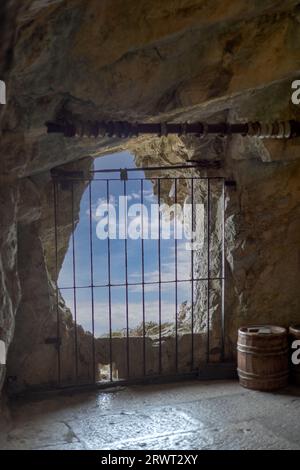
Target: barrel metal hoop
{"type": "Point", "coordinates": [259, 348]}
{"type": "Point", "coordinates": [248, 375]}
{"type": "Point", "coordinates": [247, 334]}
{"type": "Point", "coordinates": [262, 352]}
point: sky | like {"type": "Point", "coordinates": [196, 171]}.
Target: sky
{"type": "Point", "coordinates": [117, 254]}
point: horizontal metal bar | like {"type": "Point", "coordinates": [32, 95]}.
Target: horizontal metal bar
{"type": "Point", "coordinates": [156, 178]}
{"type": "Point", "coordinates": [194, 164]}
{"type": "Point", "coordinates": [144, 168]}
{"type": "Point", "coordinates": [133, 284]}
{"type": "Point", "coordinates": [125, 129]}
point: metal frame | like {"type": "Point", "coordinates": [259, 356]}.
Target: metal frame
{"type": "Point", "coordinates": [67, 182]}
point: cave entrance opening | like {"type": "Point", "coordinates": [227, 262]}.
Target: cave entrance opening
{"type": "Point", "coordinates": [140, 293]}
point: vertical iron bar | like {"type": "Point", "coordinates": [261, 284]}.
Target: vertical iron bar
{"type": "Point", "coordinates": [192, 270]}
{"type": "Point", "coordinates": [92, 283]}
{"type": "Point", "coordinates": [55, 201]}
{"type": "Point", "coordinates": [143, 278]}
{"type": "Point", "coordinates": [109, 284]}
{"type": "Point", "coordinates": [208, 271]}
{"type": "Point", "coordinates": [223, 270]}
{"type": "Point", "coordinates": [176, 279]}
{"type": "Point", "coordinates": [126, 284]}
{"type": "Point", "coordinates": [159, 277]}
{"type": "Point", "coordinates": [74, 283]}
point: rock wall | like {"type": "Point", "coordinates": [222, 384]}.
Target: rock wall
{"type": "Point", "coordinates": [10, 291]}
{"type": "Point", "coordinates": [176, 60]}
{"type": "Point", "coordinates": [264, 244]}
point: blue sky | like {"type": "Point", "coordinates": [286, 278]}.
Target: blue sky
{"type": "Point", "coordinates": [100, 262]}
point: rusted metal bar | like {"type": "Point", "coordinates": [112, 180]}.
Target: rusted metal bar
{"type": "Point", "coordinates": [126, 285]}
{"type": "Point", "coordinates": [58, 342]}
{"type": "Point", "coordinates": [109, 290]}
{"type": "Point", "coordinates": [159, 281]}
{"type": "Point", "coordinates": [213, 164]}
{"type": "Point", "coordinates": [143, 279]}
{"type": "Point", "coordinates": [176, 274]}
{"type": "Point", "coordinates": [125, 129]}
{"type": "Point", "coordinates": [192, 275]}
{"type": "Point", "coordinates": [208, 216]}
{"type": "Point", "coordinates": [74, 282]}
{"type": "Point", "coordinates": [92, 281]}
{"type": "Point", "coordinates": [223, 353]}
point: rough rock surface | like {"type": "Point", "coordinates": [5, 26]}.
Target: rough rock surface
{"type": "Point", "coordinates": [176, 60]}
{"type": "Point", "coordinates": [10, 291]}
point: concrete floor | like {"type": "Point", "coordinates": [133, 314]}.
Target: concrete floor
{"type": "Point", "coordinates": [181, 416]}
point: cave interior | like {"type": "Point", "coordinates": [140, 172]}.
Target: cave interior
{"type": "Point", "coordinates": [79, 313]}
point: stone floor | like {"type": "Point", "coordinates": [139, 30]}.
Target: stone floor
{"type": "Point", "coordinates": [190, 415]}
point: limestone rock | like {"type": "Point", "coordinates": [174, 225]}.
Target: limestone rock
{"type": "Point", "coordinates": [10, 291]}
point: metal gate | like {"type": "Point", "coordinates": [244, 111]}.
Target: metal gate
{"type": "Point", "coordinates": [139, 294]}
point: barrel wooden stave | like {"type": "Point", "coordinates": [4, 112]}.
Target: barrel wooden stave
{"type": "Point", "coordinates": [263, 358]}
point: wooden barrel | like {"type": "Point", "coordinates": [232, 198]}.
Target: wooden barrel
{"type": "Point", "coordinates": [263, 357]}
{"type": "Point", "coordinates": [295, 368]}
